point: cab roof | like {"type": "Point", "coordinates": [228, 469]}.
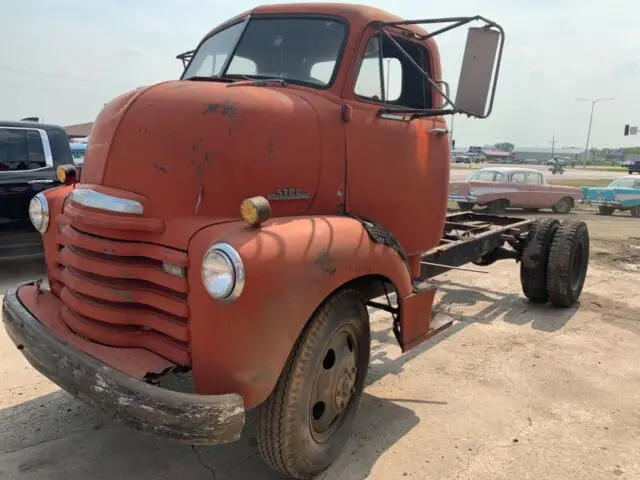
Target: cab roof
{"type": "Point", "coordinates": [347, 10]}
{"type": "Point", "coordinates": [358, 16]}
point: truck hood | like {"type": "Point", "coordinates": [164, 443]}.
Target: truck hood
{"type": "Point", "coordinates": [193, 150]}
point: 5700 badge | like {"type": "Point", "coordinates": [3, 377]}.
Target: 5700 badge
{"type": "Point", "coordinates": [288, 194]}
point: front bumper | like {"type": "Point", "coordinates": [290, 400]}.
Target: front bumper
{"type": "Point", "coordinates": [463, 199]}
{"type": "Point", "coordinates": [192, 418]}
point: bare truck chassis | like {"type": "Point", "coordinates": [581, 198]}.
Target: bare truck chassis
{"type": "Point", "coordinates": [553, 256]}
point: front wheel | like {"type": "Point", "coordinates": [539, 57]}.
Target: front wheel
{"type": "Point", "coordinates": [604, 210]}
{"type": "Point", "coordinates": [465, 206]}
{"type": "Point", "coordinates": [305, 423]}
{"type": "Point", "coordinates": [563, 205]}
{"type": "Point", "coordinates": [497, 207]}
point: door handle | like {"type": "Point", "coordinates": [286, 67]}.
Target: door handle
{"type": "Point", "coordinates": [39, 181]}
{"type": "Point", "coordinates": [438, 131]}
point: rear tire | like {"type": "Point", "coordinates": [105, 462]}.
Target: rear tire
{"type": "Point", "coordinates": [497, 207]}
{"type": "Point", "coordinates": [604, 210]}
{"type": "Point", "coordinates": [535, 257]}
{"type": "Point", "coordinates": [323, 377]}
{"type": "Point", "coordinates": [568, 263]}
{"type": "Point", "coordinates": [635, 211]}
{"type": "Point", "coordinates": [564, 205]}
{"type": "Point", "coordinates": [465, 206]}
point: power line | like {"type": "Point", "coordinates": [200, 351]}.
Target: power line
{"type": "Point", "coordinates": [62, 77]}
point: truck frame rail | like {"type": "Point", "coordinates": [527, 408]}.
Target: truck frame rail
{"type": "Point", "coordinates": [475, 238]}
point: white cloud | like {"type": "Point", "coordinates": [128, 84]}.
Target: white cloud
{"type": "Point", "coordinates": [555, 51]}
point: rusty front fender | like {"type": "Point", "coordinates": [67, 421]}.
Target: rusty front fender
{"type": "Point", "coordinates": [292, 265]}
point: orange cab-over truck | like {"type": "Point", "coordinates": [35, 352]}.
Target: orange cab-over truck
{"type": "Point", "coordinates": [235, 224]}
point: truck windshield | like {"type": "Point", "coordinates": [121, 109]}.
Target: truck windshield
{"type": "Point", "coordinates": [294, 49]}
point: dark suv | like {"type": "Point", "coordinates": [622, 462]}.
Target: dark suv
{"type": "Point", "coordinates": [634, 167]}
{"type": "Point", "coordinates": [29, 155]}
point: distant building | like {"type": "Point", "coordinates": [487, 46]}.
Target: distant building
{"type": "Point", "coordinates": [542, 154]}
{"type": "Point", "coordinates": [80, 130]}
{"type": "Point", "coordinates": [498, 156]}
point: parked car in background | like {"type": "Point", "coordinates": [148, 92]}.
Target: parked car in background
{"type": "Point", "coordinates": [30, 152]}
{"type": "Point", "coordinates": [564, 161]}
{"type": "Point", "coordinates": [467, 158]}
{"type": "Point", "coordinates": [622, 194]}
{"type": "Point", "coordinates": [78, 151]}
{"type": "Point", "coordinates": [500, 188]}
{"type": "Point", "coordinates": [634, 167]}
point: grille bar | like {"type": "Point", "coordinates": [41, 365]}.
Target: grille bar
{"type": "Point", "coordinates": [117, 293]}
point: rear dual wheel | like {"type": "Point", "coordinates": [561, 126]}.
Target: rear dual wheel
{"type": "Point", "coordinates": [555, 261]}
{"type": "Point", "coordinates": [305, 423]}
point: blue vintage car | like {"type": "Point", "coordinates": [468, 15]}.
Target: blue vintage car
{"type": "Point", "coordinates": [621, 194]}
{"type": "Point", "coordinates": [78, 151]}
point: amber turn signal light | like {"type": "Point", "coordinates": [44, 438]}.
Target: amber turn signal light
{"type": "Point", "coordinates": [255, 210]}
{"type": "Point", "coordinates": [67, 174]}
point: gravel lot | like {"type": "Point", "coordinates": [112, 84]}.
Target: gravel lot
{"type": "Point", "coordinates": [511, 391]}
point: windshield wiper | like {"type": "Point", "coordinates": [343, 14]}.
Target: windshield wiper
{"type": "Point", "coordinates": [258, 82]}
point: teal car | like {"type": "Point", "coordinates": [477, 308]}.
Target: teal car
{"type": "Point", "coordinates": [622, 194]}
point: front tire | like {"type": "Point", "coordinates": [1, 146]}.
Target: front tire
{"type": "Point", "coordinates": [465, 206]}
{"type": "Point", "coordinates": [497, 207]}
{"type": "Point", "coordinates": [604, 210]}
{"type": "Point", "coordinates": [305, 423]}
{"type": "Point", "coordinates": [564, 205]}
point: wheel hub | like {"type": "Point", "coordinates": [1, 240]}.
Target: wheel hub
{"type": "Point", "coordinates": [344, 387]}
{"type": "Point", "coordinates": [334, 384]}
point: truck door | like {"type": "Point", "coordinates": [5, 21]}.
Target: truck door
{"type": "Point", "coordinates": [397, 167]}
{"type": "Point", "coordinates": [26, 168]}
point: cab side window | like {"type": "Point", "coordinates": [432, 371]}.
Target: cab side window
{"type": "Point", "coordinates": [387, 76]}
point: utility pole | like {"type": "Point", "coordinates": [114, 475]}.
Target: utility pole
{"type": "Point", "coordinates": [593, 105]}
{"type": "Point", "coordinates": [452, 142]}
{"type": "Point", "coordinates": [553, 145]}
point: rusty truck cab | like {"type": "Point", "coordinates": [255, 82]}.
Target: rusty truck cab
{"type": "Point", "coordinates": [326, 123]}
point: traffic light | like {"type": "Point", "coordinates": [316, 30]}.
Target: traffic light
{"type": "Point", "coordinates": [626, 130]}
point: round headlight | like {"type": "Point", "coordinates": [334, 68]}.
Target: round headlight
{"type": "Point", "coordinates": [223, 272]}
{"type": "Point", "coordinates": [39, 212]}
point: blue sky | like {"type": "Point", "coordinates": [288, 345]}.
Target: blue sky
{"type": "Point", "coordinates": [555, 51]}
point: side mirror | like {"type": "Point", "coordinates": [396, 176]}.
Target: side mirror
{"type": "Point", "coordinates": [477, 73]}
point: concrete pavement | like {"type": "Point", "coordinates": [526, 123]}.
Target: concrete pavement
{"type": "Point", "coordinates": [511, 391]}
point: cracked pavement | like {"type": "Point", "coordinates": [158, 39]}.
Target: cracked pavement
{"type": "Point", "coordinates": [511, 391]}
